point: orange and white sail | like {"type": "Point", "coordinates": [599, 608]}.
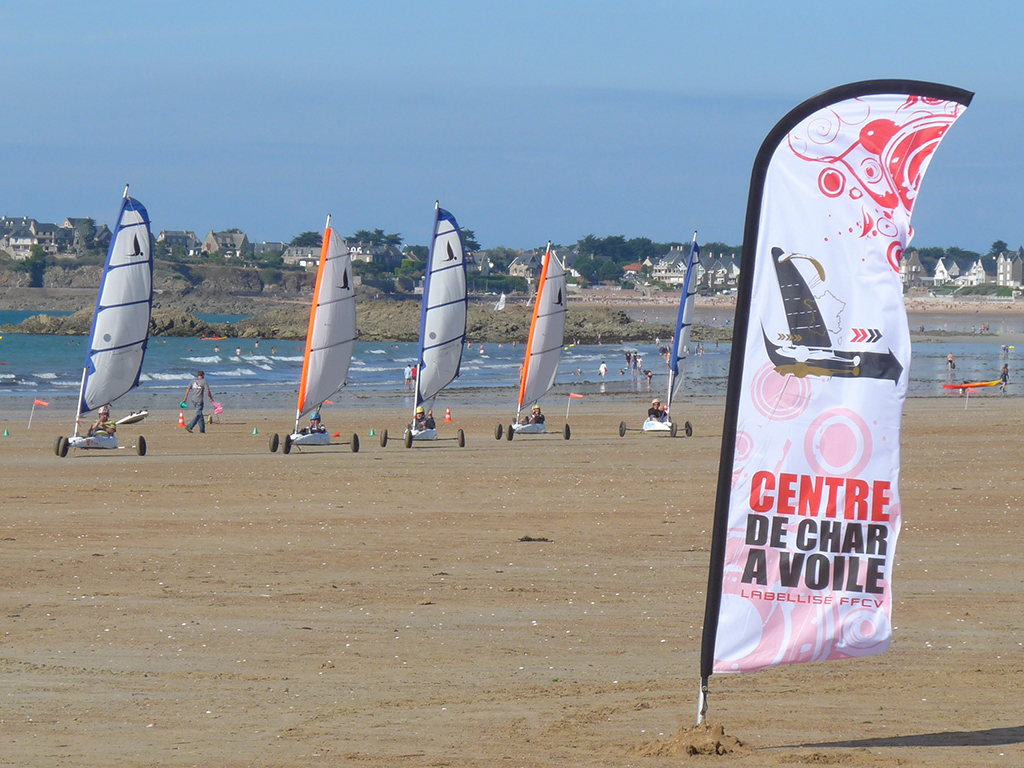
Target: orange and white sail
{"type": "Point", "coordinates": [547, 332]}
{"type": "Point", "coordinates": [332, 326]}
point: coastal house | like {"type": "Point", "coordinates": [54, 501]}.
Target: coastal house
{"type": "Point", "coordinates": [632, 271]}
{"type": "Point", "coordinates": [912, 271]}
{"type": "Point", "coordinates": [305, 256]}
{"type": "Point", "coordinates": [1010, 268]}
{"type": "Point", "coordinates": [269, 246]}
{"type": "Point", "coordinates": [18, 243]}
{"type": "Point", "coordinates": [9, 224]}
{"type": "Point", "coordinates": [671, 269]}
{"type": "Point", "coordinates": [527, 264]}
{"type": "Point", "coordinates": [942, 274]}
{"type": "Point", "coordinates": [230, 245]}
{"type": "Point", "coordinates": [387, 256]}
{"type": "Point", "coordinates": [19, 236]}
{"type": "Point", "coordinates": [976, 275]}
{"type": "Point", "coordinates": [179, 238]}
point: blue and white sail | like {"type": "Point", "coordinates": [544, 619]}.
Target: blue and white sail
{"type": "Point", "coordinates": [443, 317]}
{"type": "Point", "coordinates": [120, 325]}
{"type": "Point", "coordinates": [684, 321]}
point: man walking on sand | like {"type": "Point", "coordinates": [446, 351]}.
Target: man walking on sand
{"type": "Point", "coordinates": [198, 391]}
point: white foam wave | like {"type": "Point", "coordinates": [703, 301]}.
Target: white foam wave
{"type": "Point", "coordinates": [207, 360]}
{"type": "Point", "coordinates": [166, 377]}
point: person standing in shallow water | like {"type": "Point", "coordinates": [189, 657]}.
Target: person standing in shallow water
{"type": "Point", "coordinates": [197, 393]}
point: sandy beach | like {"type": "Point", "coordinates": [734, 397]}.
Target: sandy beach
{"type": "Point", "coordinates": [533, 603]}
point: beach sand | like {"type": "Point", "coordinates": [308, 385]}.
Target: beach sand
{"type": "Point", "coordinates": [216, 604]}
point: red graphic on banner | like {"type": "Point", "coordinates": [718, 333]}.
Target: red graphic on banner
{"type": "Point", "coordinates": [881, 165]}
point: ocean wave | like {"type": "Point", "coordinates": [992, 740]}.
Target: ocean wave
{"type": "Point", "coordinates": [166, 377]}
{"type": "Point", "coordinates": [47, 376]}
{"type": "Point", "coordinates": [207, 360]}
{"type": "Point", "coordinates": [293, 359]}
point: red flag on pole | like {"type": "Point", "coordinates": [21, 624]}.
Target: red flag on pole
{"type": "Point", "coordinates": [40, 402]}
{"type": "Point", "coordinates": [574, 395]}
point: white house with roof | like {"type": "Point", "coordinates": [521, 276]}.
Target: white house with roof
{"type": "Point", "coordinates": [1010, 268]}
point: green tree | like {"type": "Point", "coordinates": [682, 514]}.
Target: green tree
{"type": "Point", "coordinates": [469, 243]}
{"type": "Point", "coordinates": [998, 247]}
{"type": "Point", "coordinates": [418, 252]}
{"type": "Point", "coordinates": [308, 240]}
{"type": "Point", "coordinates": [85, 235]}
{"type": "Point", "coordinates": [500, 258]}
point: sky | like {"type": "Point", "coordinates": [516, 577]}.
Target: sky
{"type": "Point", "coordinates": [529, 121]}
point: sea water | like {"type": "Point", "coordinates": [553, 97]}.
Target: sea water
{"type": "Point", "coordinates": [246, 373]}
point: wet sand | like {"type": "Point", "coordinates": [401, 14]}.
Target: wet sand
{"type": "Point", "coordinates": [533, 603]}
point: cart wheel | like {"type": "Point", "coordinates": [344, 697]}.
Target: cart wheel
{"type": "Point", "coordinates": [462, 439]}
{"type": "Point", "coordinates": [688, 429]}
{"type": "Point", "coordinates": [499, 432]}
{"type": "Point", "coordinates": [566, 433]}
{"type": "Point", "coordinates": [355, 443]}
{"type": "Point", "coordinates": [622, 429]}
{"type": "Point", "coordinates": [287, 447]}
{"type": "Point", "coordinates": [673, 428]}
{"type": "Point", "coordinates": [140, 446]}
{"type": "Point", "coordinates": [275, 441]}
{"type": "Point", "coordinates": [408, 438]}
{"type": "Point", "coordinates": [62, 449]}
{"type": "Point", "coordinates": [56, 445]}
{"type": "Point", "coordinates": [511, 432]}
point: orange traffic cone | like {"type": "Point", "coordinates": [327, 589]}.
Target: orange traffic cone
{"type": "Point", "coordinates": [181, 418]}
{"type": "Point", "coordinates": [447, 414]}
{"type": "Point", "coordinates": [337, 434]}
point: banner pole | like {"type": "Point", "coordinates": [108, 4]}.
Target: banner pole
{"type": "Point", "coordinates": [31, 414]}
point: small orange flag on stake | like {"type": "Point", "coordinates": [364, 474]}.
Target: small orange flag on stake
{"type": "Point", "coordinates": [41, 402]}
{"type": "Point", "coordinates": [574, 395]}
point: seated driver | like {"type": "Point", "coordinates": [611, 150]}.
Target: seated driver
{"type": "Point", "coordinates": [656, 412]}
{"type": "Point", "coordinates": [535, 417]}
{"type": "Point", "coordinates": [103, 425]}
{"type": "Point", "coordinates": [419, 422]}
{"type": "Point", "coordinates": [315, 423]}
{"type": "Point", "coordinates": [429, 422]}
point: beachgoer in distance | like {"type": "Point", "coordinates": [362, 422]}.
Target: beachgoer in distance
{"type": "Point", "coordinates": [602, 369]}
{"type": "Point", "coordinates": [656, 412]}
{"type": "Point", "coordinates": [197, 393]}
{"type": "Point", "coordinates": [1004, 378]}
{"type": "Point", "coordinates": [408, 377]}
{"type": "Point", "coordinates": [949, 362]}
{"type": "Point", "coordinates": [103, 425]}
